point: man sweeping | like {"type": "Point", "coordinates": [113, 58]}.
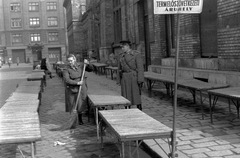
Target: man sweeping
{"type": "Point", "coordinates": [74, 80]}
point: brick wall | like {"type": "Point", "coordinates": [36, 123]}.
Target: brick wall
{"type": "Point", "coordinates": [229, 35]}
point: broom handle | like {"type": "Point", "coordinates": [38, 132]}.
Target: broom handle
{"type": "Point", "coordinates": [79, 91]}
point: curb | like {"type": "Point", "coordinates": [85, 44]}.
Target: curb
{"type": "Point", "coordinates": [149, 150]}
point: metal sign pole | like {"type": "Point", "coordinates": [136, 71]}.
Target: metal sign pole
{"type": "Point", "coordinates": [175, 89]}
{"type": "Point", "coordinates": [176, 7]}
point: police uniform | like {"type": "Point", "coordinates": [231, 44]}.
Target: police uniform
{"type": "Point", "coordinates": [131, 75]}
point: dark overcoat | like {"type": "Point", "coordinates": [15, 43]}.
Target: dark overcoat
{"type": "Point", "coordinates": [131, 74]}
{"type": "Point", "coordinates": [71, 77]}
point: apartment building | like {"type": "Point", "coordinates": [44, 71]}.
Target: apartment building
{"type": "Point", "coordinates": [31, 30]}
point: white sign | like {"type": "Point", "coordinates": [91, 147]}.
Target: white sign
{"type": "Point", "coordinates": [177, 6]}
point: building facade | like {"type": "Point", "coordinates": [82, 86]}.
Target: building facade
{"type": "Point", "coordinates": [74, 11]}
{"type": "Point", "coordinates": [32, 29]}
{"type": "Point", "coordinates": [209, 42]}
{"type": "Point", "coordinates": [90, 27]}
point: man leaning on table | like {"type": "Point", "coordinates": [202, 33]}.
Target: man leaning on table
{"type": "Point", "coordinates": [131, 73]}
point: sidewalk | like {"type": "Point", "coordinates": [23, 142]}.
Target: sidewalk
{"type": "Point", "coordinates": [196, 138]}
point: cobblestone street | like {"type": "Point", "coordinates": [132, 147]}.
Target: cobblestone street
{"type": "Point", "coordinates": [79, 143]}
{"type": "Point", "coordinates": [196, 138]}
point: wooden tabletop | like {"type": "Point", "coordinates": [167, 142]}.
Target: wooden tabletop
{"type": "Point", "coordinates": [37, 75]}
{"type": "Point", "coordinates": [111, 67]}
{"type": "Point", "coordinates": [129, 124]}
{"type": "Point", "coordinates": [200, 85]}
{"type": "Point", "coordinates": [100, 96]}
{"type": "Point", "coordinates": [184, 82]}
{"type": "Point", "coordinates": [37, 70]}
{"type": "Point", "coordinates": [29, 89]}
{"type": "Point", "coordinates": [22, 96]}
{"type": "Point", "coordinates": [21, 106]}
{"type": "Point", "coordinates": [99, 64]}
{"type": "Point", "coordinates": [19, 127]}
{"type": "Point", "coordinates": [231, 92]}
{"type": "Point", "coordinates": [32, 83]}
{"type": "Point", "coordinates": [106, 100]}
{"type": "Point", "coordinates": [159, 77]}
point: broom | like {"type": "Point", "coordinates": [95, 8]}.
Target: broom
{"type": "Point", "coordinates": [71, 124]}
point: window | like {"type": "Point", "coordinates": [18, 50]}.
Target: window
{"type": "Point", "coordinates": [35, 37]}
{"type": "Point", "coordinates": [15, 7]}
{"type": "Point", "coordinates": [33, 6]}
{"type": "Point", "coordinates": [53, 36]}
{"type": "Point", "coordinates": [16, 38]}
{"type": "Point", "coordinates": [16, 22]}
{"type": "Point", "coordinates": [34, 22]}
{"type": "Point", "coordinates": [51, 6]}
{"type": "Point", "coordinates": [117, 21]}
{"type": "Point", "coordinates": [52, 21]}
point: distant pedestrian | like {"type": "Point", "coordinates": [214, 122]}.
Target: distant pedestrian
{"type": "Point", "coordinates": [9, 62]}
{"type": "Point", "coordinates": [17, 61]}
{"type": "Point", "coordinates": [72, 75]}
{"type": "Point", "coordinates": [131, 73]}
{"type": "Point", "coordinates": [45, 65]}
{"type": "Point", "coordinates": [92, 56]}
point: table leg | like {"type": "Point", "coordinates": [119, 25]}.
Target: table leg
{"type": "Point", "coordinates": [101, 134]}
{"type": "Point", "coordinates": [201, 102]}
{"type": "Point", "coordinates": [137, 148]}
{"type": "Point", "coordinates": [106, 72]}
{"type": "Point", "coordinates": [229, 106]}
{"type": "Point", "coordinates": [32, 146]}
{"type": "Point", "coordinates": [123, 150]}
{"type": "Point", "coordinates": [130, 154]}
{"type": "Point", "coordinates": [238, 108]}
{"type": "Point", "coordinates": [149, 84]}
{"type": "Point", "coordinates": [97, 123]}
{"type": "Point", "coordinates": [112, 74]}
{"type": "Point", "coordinates": [210, 104]}
{"type": "Point", "coordinates": [35, 148]}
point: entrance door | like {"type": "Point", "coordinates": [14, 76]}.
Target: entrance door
{"type": "Point", "coordinates": [208, 20]}
{"type": "Point", "coordinates": [37, 54]}
{"type": "Point", "coordinates": [18, 53]}
{"type": "Point", "coordinates": [54, 55]}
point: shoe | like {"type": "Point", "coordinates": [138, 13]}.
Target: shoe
{"type": "Point", "coordinates": [139, 106]}
{"type": "Point", "coordinates": [80, 122]}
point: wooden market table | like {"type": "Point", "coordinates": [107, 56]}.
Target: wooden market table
{"type": "Point", "coordinates": [193, 85]}
{"type": "Point", "coordinates": [20, 127]}
{"type": "Point", "coordinates": [99, 67]}
{"type": "Point", "coordinates": [133, 125]}
{"type": "Point", "coordinates": [32, 83]}
{"type": "Point", "coordinates": [112, 70]}
{"type": "Point", "coordinates": [21, 106]}
{"type": "Point", "coordinates": [22, 97]}
{"type": "Point", "coordinates": [231, 93]}
{"type": "Point", "coordinates": [100, 98]}
{"type": "Point", "coordinates": [37, 76]}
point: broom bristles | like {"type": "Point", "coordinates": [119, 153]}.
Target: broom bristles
{"type": "Point", "coordinates": [71, 123]}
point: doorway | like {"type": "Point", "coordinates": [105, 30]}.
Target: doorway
{"type": "Point", "coordinates": [208, 29]}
